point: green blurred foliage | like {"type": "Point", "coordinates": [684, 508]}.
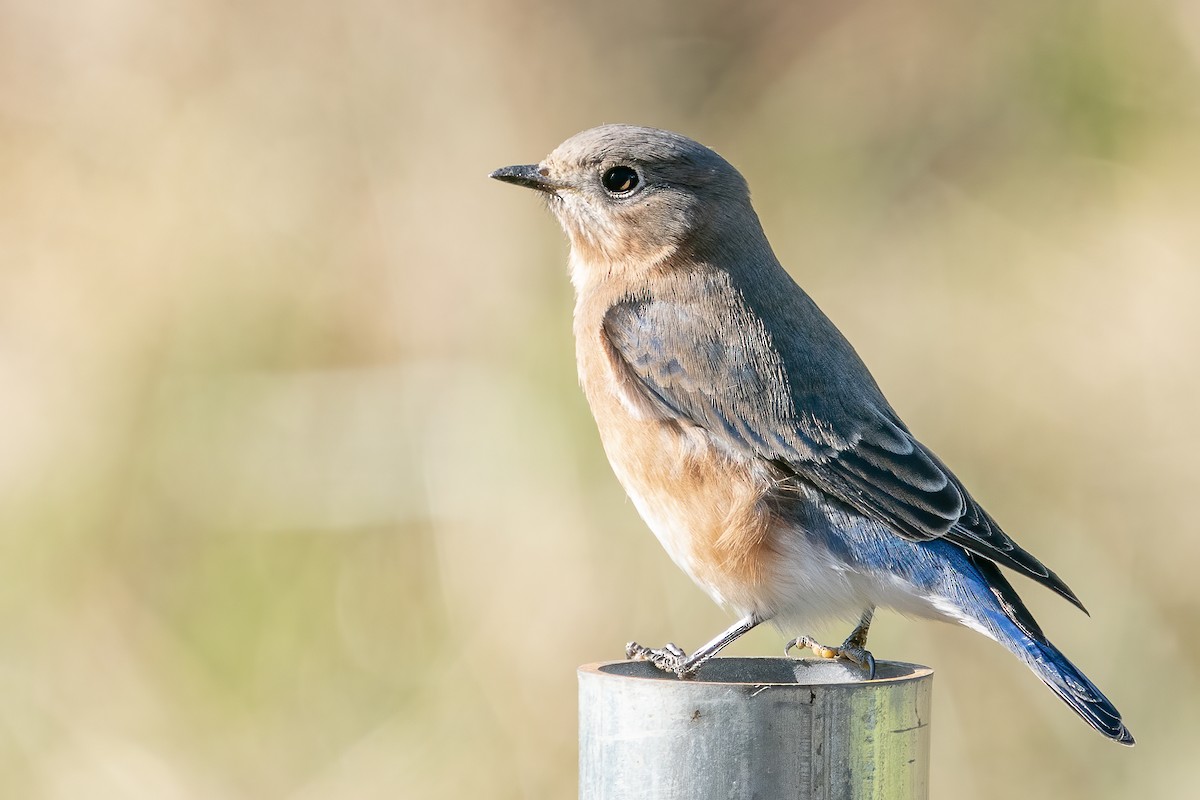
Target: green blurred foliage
{"type": "Point", "coordinates": [299, 496]}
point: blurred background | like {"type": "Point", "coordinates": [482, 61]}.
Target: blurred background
{"type": "Point", "coordinates": [300, 498]}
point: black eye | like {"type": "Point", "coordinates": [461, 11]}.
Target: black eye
{"type": "Point", "coordinates": [620, 180]}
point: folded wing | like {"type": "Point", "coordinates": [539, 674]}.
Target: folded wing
{"type": "Point", "coordinates": [728, 379]}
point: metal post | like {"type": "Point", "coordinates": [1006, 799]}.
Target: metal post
{"type": "Point", "coordinates": [762, 728]}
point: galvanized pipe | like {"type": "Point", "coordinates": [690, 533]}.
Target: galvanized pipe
{"type": "Point", "coordinates": [762, 728]}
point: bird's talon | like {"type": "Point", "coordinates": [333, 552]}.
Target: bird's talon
{"type": "Point", "coordinates": [860, 658]}
{"type": "Point", "coordinates": [847, 652]}
{"type": "Point", "coordinates": [670, 658]}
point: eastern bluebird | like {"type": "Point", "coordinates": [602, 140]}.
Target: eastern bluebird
{"type": "Point", "coordinates": [749, 434]}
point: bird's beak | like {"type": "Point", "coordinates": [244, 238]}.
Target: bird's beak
{"type": "Point", "coordinates": [529, 175]}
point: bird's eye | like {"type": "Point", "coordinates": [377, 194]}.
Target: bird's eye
{"type": "Point", "coordinates": [620, 180]}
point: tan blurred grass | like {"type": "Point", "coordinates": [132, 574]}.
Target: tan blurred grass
{"type": "Point", "coordinates": [300, 499]}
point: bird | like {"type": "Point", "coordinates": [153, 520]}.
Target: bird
{"type": "Point", "coordinates": [749, 434]}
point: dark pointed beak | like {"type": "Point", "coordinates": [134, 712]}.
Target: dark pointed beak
{"type": "Point", "coordinates": [529, 175]}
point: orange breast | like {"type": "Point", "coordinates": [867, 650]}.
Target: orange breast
{"type": "Point", "coordinates": [707, 507]}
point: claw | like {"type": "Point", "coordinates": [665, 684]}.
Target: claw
{"type": "Point", "coordinates": [809, 643]}
{"type": "Point", "coordinates": [670, 658]}
{"type": "Point", "coordinates": [858, 656]}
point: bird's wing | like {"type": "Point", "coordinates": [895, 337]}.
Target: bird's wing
{"type": "Point", "coordinates": [713, 365]}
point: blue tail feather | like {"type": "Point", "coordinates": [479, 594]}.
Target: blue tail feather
{"type": "Point", "coordinates": [1066, 681]}
{"type": "Point", "coordinates": [1014, 627]}
{"type": "Point", "coordinates": [978, 591]}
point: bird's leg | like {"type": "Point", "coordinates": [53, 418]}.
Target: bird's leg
{"type": "Point", "coordinates": [854, 649]}
{"type": "Point", "coordinates": [671, 658]}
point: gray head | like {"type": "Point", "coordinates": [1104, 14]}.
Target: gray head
{"type": "Point", "coordinates": [632, 197]}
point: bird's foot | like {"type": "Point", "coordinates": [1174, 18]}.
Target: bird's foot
{"type": "Point", "coordinates": [670, 658]}
{"type": "Point", "coordinates": [849, 651]}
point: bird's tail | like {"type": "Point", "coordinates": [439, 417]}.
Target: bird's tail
{"type": "Point", "coordinates": [1066, 681]}
{"type": "Point", "coordinates": [1015, 628]}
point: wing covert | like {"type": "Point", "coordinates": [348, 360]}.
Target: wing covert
{"type": "Point", "coordinates": [714, 365]}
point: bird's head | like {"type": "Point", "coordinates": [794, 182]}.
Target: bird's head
{"type": "Point", "coordinates": [629, 198]}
